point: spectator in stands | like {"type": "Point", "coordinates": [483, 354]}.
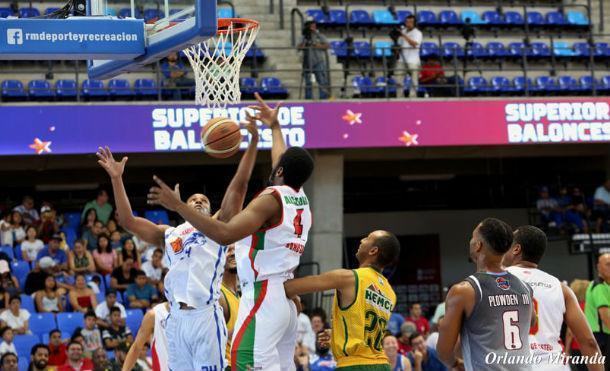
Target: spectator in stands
{"type": "Point", "coordinates": [76, 361]}
{"type": "Point", "coordinates": [112, 227]}
{"type": "Point", "coordinates": [439, 311]}
{"type": "Point", "coordinates": [7, 345]}
{"type": "Point", "coordinates": [57, 349]}
{"type": "Point", "coordinates": [154, 267]}
{"type": "Point", "coordinates": [49, 225]}
{"type": "Point", "coordinates": [88, 221]}
{"type": "Point", "coordinates": [573, 211]}
{"type": "Point", "coordinates": [115, 240]}
{"type": "Point", "coordinates": [175, 74]}
{"type": "Point", "coordinates": [123, 276]}
{"type": "Point", "coordinates": [92, 235]}
{"type": "Point", "coordinates": [408, 59]}
{"type": "Point", "coordinates": [601, 206]}
{"type": "Point", "coordinates": [432, 78]}
{"type": "Point", "coordinates": [31, 246]}
{"type": "Point", "coordinates": [8, 282]}
{"type": "Point", "coordinates": [102, 311]}
{"type": "Point", "coordinates": [28, 211]}
{"type": "Point", "coordinates": [397, 360]}
{"type": "Point", "coordinates": [314, 46]}
{"type": "Point", "coordinates": [91, 334]}
{"type": "Point", "coordinates": [81, 296]}
{"type": "Point", "coordinates": [54, 252]}
{"type": "Point", "coordinates": [39, 358]}
{"type": "Point", "coordinates": [317, 322]}
{"type": "Point", "coordinates": [120, 353]}
{"type": "Point", "coordinates": [49, 300]}
{"type": "Point", "coordinates": [141, 294]}
{"type": "Point", "coordinates": [105, 257]}
{"type": "Point", "coordinates": [432, 339]}
{"type": "Point", "coordinates": [116, 333]}
{"type": "Point", "coordinates": [322, 359]}
{"type": "Point", "coordinates": [129, 250]}
{"type": "Point", "coordinates": [423, 357]}
{"type": "Point", "coordinates": [406, 330]}
{"type": "Point", "coordinates": [301, 358]}
{"type": "Point", "coordinates": [102, 208]}
{"type": "Point", "coordinates": [9, 362]}
{"type": "Point", "coordinates": [12, 229]}
{"type": "Point", "coordinates": [548, 207]}
{"type": "Point", "coordinates": [596, 304]}
{"type": "Point", "coordinates": [16, 317]}
{"type": "Point", "coordinates": [35, 280]}
{"type": "Point", "coordinates": [80, 260]}
{"type": "Point", "coordinates": [423, 327]}
{"type": "Point", "coordinates": [100, 360]}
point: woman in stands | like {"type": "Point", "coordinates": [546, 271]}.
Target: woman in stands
{"type": "Point", "coordinates": [82, 297]}
{"type": "Point", "coordinates": [129, 250]}
{"type": "Point", "coordinates": [12, 229]}
{"type": "Point", "coordinates": [80, 260]}
{"type": "Point", "coordinates": [31, 245]}
{"type": "Point", "coordinates": [49, 300]}
{"type": "Point", "coordinates": [398, 362]}
{"type": "Point", "coordinates": [89, 221]}
{"type": "Point", "coordinates": [105, 257]}
{"type": "Point", "coordinates": [8, 282]}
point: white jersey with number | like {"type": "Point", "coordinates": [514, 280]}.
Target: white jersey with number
{"type": "Point", "coordinates": [159, 340]}
{"type": "Point", "coordinates": [196, 265]}
{"type": "Point", "coordinates": [275, 252]}
{"type": "Point", "coordinates": [549, 306]}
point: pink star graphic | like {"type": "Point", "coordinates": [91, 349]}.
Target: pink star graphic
{"type": "Point", "coordinates": [352, 118]}
{"type": "Point", "coordinates": [408, 139]}
{"type": "Point", "coordinates": [40, 146]}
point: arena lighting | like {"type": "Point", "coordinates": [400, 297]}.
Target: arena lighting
{"type": "Point", "coordinates": [424, 177]}
{"type": "Point", "coordinates": [67, 187]}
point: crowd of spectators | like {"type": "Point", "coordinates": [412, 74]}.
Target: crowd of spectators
{"type": "Point", "coordinates": [93, 269]}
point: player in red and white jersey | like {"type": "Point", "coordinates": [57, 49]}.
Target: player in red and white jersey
{"type": "Point", "coordinates": [554, 302]}
{"type": "Point", "coordinates": [152, 331]}
{"type": "Point", "coordinates": [272, 231]}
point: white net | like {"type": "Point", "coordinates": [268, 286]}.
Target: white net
{"type": "Point", "coordinates": [217, 61]}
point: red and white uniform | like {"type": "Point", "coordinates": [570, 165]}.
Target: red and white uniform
{"type": "Point", "coordinates": [266, 327]}
{"type": "Point", "coordinates": [159, 340]}
{"type": "Point", "coordinates": [549, 307]}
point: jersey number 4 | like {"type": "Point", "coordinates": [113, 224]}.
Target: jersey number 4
{"type": "Point", "coordinates": [296, 222]}
{"type": "Point", "coordinates": [510, 327]}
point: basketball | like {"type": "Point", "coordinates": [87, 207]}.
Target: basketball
{"type": "Point", "coordinates": [221, 137]}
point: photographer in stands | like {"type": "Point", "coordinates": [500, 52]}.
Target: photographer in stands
{"type": "Point", "coordinates": [314, 46]}
{"type": "Point", "coordinates": [409, 39]}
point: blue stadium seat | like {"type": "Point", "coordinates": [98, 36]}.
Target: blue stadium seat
{"type": "Point", "coordinates": [27, 303]}
{"type": "Point", "coordinates": [153, 14]}
{"type": "Point", "coordinates": [255, 52]}
{"type": "Point", "coordinates": [586, 83]}
{"type": "Point", "coordinates": [272, 86]}
{"type": "Point", "coordinates": [406, 85]}
{"type": "Point", "coordinates": [602, 51]}
{"type": "Point", "coordinates": [66, 89]}
{"type": "Point", "coordinates": [539, 50]}
{"type": "Point", "coordinates": [8, 250]}
{"type": "Point", "coordinates": [359, 17]}
{"type": "Point", "coordinates": [126, 13]}
{"type": "Point", "coordinates": [134, 320]}
{"type": "Point", "coordinates": [501, 85]}
{"type": "Point", "coordinates": [451, 49]}
{"type": "Point", "coordinates": [337, 17]}
{"type": "Point", "coordinates": [520, 84]}
{"type": "Point", "coordinates": [119, 88]}
{"type": "Point", "coordinates": [94, 89]}
{"type": "Point", "coordinates": [70, 235]}
{"type": "Point", "coordinates": [476, 51]}
{"type": "Point", "coordinates": [429, 50]}
{"type": "Point", "coordinates": [224, 12]}
{"type": "Point", "coordinates": [146, 88]}
{"type": "Point", "coordinates": [567, 85]}
{"type": "Point", "coordinates": [20, 270]}
{"type": "Point", "coordinates": [317, 15]}
{"type": "Point", "coordinates": [426, 18]}
{"type": "Point", "coordinates": [516, 50]}
{"type": "Point", "coordinates": [363, 49]}
{"type": "Point", "coordinates": [577, 18]}
{"type": "Point", "coordinates": [386, 84]}
{"type": "Point", "coordinates": [40, 89]}
{"type": "Point", "coordinates": [68, 322]}
{"type": "Point", "coordinates": [563, 50]}
{"type": "Point", "coordinates": [50, 10]}
{"type": "Point", "coordinates": [383, 49]}
{"type": "Point", "coordinates": [496, 50]}
{"type": "Point", "coordinates": [24, 343]}
{"type": "Point", "coordinates": [338, 48]}
{"type": "Point", "coordinates": [401, 15]}
{"type": "Point", "coordinates": [42, 323]}
{"type": "Point", "coordinates": [247, 85]}
{"type": "Point", "coordinates": [472, 16]}
{"type": "Point", "coordinates": [477, 85]}
{"type": "Point", "coordinates": [493, 18]}
{"type": "Point", "coordinates": [13, 89]}
{"type": "Point", "coordinates": [23, 364]}
{"type": "Point", "coordinates": [583, 49]}
{"type": "Point", "coordinates": [555, 19]}
{"type": "Point", "coordinates": [448, 18]}
{"type": "Point", "coordinates": [604, 85]}
{"type": "Point", "coordinates": [28, 12]}
{"type": "Point", "coordinates": [72, 219]}
{"type": "Point", "coordinates": [546, 84]}
{"type": "Point", "coordinates": [5, 12]}
{"type": "Point", "coordinates": [157, 216]}
{"type": "Point", "coordinates": [383, 17]}
{"type": "Point", "coordinates": [513, 18]}
{"type": "Point", "coordinates": [535, 19]}
{"type": "Point", "coordinates": [363, 86]}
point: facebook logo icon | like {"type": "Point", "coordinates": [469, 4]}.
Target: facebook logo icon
{"type": "Point", "coordinates": [14, 36]}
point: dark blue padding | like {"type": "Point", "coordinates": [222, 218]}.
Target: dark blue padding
{"type": "Point", "coordinates": [40, 89]}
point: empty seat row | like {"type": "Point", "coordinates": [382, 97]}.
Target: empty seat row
{"type": "Point", "coordinates": [563, 85]}
{"type": "Point", "coordinates": [270, 87]}
{"type": "Point", "coordinates": [449, 18]}
{"type": "Point", "coordinates": [147, 14]}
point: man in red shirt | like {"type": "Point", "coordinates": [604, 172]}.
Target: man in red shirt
{"type": "Point", "coordinates": [432, 78]}
{"type": "Point", "coordinates": [423, 327]}
{"type": "Point", "coordinates": [76, 361]}
{"type": "Point", "coordinates": [404, 344]}
{"type": "Point", "coordinates": [57, 349]}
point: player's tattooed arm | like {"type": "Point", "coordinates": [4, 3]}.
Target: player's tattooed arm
{"type": "Point", "coordinates": [268, 116]}
{"type": "Point", "coordinates": [458, 304]}
{"type": "Point", "coordinates": [143, 228]}
{"type": "Point", "coordinates": [235, 195]}
{"type": "Point", "coordinates": [338, 279]}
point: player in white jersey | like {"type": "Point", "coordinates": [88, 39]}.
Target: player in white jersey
{"type": "Point", "coordinates": [152, 332]}
{"type": "Point", "coordinates": [196, 331]}
{"type": "Point", "coordinates": [272, 231]}
{"type": "Point", "coordinates": [554, 302]}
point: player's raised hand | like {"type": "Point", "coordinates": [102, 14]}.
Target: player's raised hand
{"type": "Point", "coordinates": [163, 195]}
{"type": "Point", "coordinates": [250, 125]}
{"type": "Point", "coordinates": [266, 114]}
{"type": "Point", "coordinates": [107, 161]}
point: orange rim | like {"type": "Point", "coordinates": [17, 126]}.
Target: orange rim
{"type": "Point", "coordinates": [239, 25]}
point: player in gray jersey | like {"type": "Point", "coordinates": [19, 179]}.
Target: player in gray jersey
{"type": "Point", "coordinates": [490, 312]}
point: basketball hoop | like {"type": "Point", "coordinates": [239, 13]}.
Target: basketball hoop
{"type": "Point", "coordinates": [217, 61]}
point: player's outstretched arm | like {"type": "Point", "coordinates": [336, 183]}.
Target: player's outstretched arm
{"type": "Point", "coordinates": [144, 334]}
{"type": "Point", "coordinates": [578, 325]}
{"type": "Point", "coordinates": [268, 116]}
{"type": "Point", "coordinates": [143, 228]}
{"type": "Point", "coordinates": [339, 279]}
{"type": "Point", "coordinates": [247, 222]}
{"type": "Point", "coordinates": [456, 304]}
{"type": "Point", "coordinates": [233, 200]}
